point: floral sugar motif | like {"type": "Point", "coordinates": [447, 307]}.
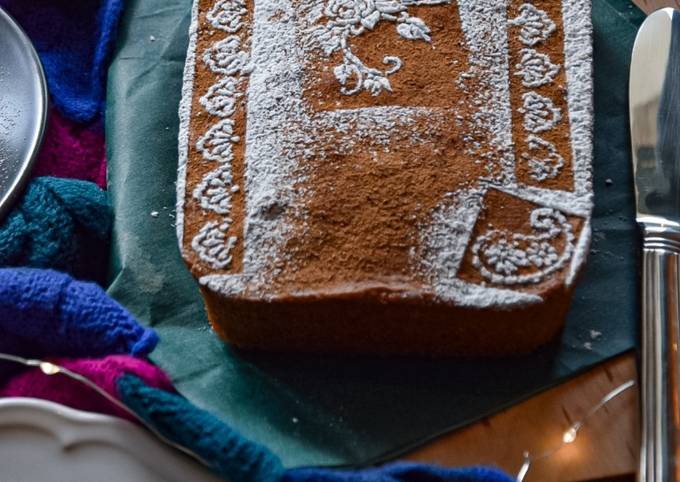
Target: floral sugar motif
{"type": "Point", "coordinates": [213, 246]}
{"type": "Point", "coordinates": [229, 62]}
{"type": "Point", "coordinates": [540, 114]}
{"type": "Point", "coordinates": [227, 15]}
{"type": "Point", "coordinates": [250, 63]}
{"type": "Point", "coordinates": [226, 57]}
{"type": "Point", "coordinates": [536, 69]}
{"type": "Point", "coordinates": [352, 18]}
{"type": "Point", "coordinates": [535, 25]}
{"type": "Point", "coordinates": [215, 190]}
{"type": "Point", "coordinates": [508, 258]}
{"type": "Point", "coordinates": [543, 159]}
{"type": "Point", "coordinates": [217, 143]}
{"type": "Point", "coordinates": [220, 100]}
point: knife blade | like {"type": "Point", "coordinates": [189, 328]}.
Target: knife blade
{"type": "Point", "coordinates": [654, 100]}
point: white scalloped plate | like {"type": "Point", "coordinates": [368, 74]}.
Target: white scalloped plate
{"type": "Point", "coordinates": [42, 440]}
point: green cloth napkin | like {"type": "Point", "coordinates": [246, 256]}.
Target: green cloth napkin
{"type": "Point", "coordinates": [322, 410]}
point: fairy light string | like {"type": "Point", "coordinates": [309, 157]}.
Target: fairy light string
{"type": "Point", "coordinates": [51, 369]}
{"type": "Point", "coordinates": [569, 436]}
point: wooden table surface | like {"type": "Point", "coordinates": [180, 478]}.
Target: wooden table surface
{"type": "Point", "coordinates": [651, 5]}
{"type": "Point", "coordinates": [607, 445]}
{"type": "Point", "coordinates": [606, 449]}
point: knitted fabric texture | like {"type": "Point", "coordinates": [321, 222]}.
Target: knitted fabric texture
{"type": "Point", "coordinates": [66, 391]}
{"type": "Point", "coordinates": [240, 460]}
{"type": "Point", "coordinates": [402, 472]}
{"type": "Point", "coordinates": [45, 313]}
{"type": "Point", "coordinates": [72, 151]}
{"type": "Point", "coordinates": [231, 455]}
{"type": "Point", "coordinates": [59, 224]}
{"type": "Point", "coordinates": [74, 39]}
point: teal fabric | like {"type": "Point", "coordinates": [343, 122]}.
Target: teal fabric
{"type": "Point", "coordinates": [237, 459]}
{"type": "Point", "coordinates": [62, 224]}
{"type": "Point", "coordinates": [230, 454]}
{"type": "Point", "coordinates": [317, 410]}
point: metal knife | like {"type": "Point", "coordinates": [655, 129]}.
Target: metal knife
{"type": "Point", "coordinates": [655, 134]}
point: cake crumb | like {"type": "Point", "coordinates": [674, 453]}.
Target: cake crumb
{"type": "Point", "coordinates": [588, 346]}
{"type": "Point", "coordinates": [609, 182]}
{"type": "Point", "coordinates": [152, 38]}
{"type": "Point", "coordinates": [595, 335]}
{"type": "Point", "coordinates": [154, 214]}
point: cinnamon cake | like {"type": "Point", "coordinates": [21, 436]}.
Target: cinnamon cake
{"type": "Point", "coordinates": [387, 176]}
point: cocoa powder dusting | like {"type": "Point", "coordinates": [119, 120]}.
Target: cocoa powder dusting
{"type": "Point", "coordinates": [364, 207]}
{"type": "Point", "coordinates": [366, 186]}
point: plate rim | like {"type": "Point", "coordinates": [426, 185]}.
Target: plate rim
{"type": "Point", "coordinates": [20, 181]}
{"type": "Point", "coordinates": [70, 427]}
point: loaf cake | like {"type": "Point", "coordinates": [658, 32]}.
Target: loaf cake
{"type": "Point", "coordinates": [387, 176]}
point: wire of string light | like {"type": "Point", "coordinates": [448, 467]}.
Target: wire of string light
{"type": "Point", "coordinates": [570, 435]}
{"type": "Point", "coordinates": [50, 369]}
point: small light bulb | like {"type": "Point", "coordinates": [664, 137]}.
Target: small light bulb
{"type": "Point", "coordinates": [49, 368]}
{"type": "Point", "coordinates": [569, 436]}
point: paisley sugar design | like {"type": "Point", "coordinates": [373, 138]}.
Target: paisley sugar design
{"type": "Point", "coordinates": [503, 256]}
{"type": "Point", "coordinates": [509, 258]}
{"type": "Point", "coordinates": [345, 19]}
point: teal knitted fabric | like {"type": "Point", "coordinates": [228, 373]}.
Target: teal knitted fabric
{"type": "Point", "coordinates": [236, 458]}
{"type": "Point", "coordinates": [62, 224]}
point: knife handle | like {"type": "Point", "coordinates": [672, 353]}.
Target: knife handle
{"type": "Point", "coordinates": [660, 370]}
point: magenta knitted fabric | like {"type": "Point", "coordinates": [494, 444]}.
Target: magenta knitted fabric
{"type": "Point", "coordinates": [104, 372]}
{"type": "Point", "coordinates": [72, 150]}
